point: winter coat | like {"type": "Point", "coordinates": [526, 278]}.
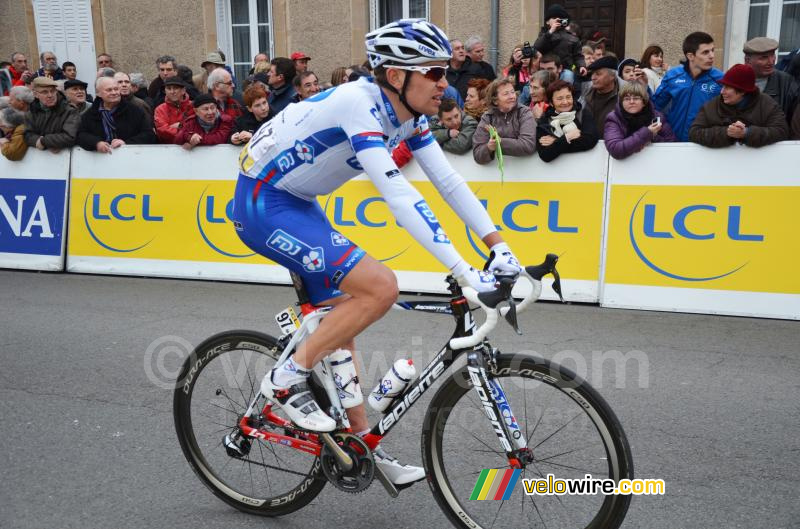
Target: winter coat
{"type": "Point", "coordinates": [143, 106]}
{"type": "Point", "coordinates": [680, 97]}
{"type": "Point", "coordinates": [461, 143]}
{"type": "Point", "coordinates": [563, 44]}
{"type": "Point", "coordinates": [132, 126]}
{"type": "Point", "coordinates": [601, 105]}
{"type": "Point", "coordinates": [654, 78]}
{"type": "Point", "coordinates": [764, 119]}
{"type": "Point", "coordinates": [247, 122]}
{"type": "Point", "coordinates": [15, 149]}
{"type": "Point", "coordinates": [782, 88]}
{"type": "Point", "coordinates": [57, 127]}
{"type": "Point", "coordinates": [220, 134]}
{"type": "Point", "coordinates": [621, 142]}
{"type": "Point", "coordinates": [58, 75]}
{"type": "Point", "coordinates": [166, 114]}
{"type": "Point", "coordinates": [233, 109]}
{"type": "Point", "coordinates": [459, 78]}
{"type": "Point", "coordinates": [484, 70]}
{"type": "Point", "coordinates": [280, 98]}
{"type": "Point", "coordinates": [585, 122]}
{"type": "Point", "coordinates": [516, 128]}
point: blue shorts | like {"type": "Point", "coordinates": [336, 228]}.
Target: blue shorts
{"type": "Point", "coordinates": [296, 234]}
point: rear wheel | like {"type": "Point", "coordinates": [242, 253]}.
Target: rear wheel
{"type": "Point", "coordinates": [570, 430]}
{"type": "Point", "coordinates": [215, 387]}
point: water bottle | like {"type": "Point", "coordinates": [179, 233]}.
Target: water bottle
{"type": "Point", "coordinates": [345, 377]}
{"type": "Point", "coordinates": [392, 384]}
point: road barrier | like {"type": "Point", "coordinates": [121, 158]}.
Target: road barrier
{"type": "Point", "coordinates": [33, 195]}
{"type": "Point", "coordinates": [677, 227]}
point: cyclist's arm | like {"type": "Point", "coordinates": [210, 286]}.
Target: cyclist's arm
{"type": "Point", "coordinates": [407, 204]}
{"type": "Point", "coordinates": [454, 189]}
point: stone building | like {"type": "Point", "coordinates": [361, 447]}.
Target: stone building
{"type": "Point", "coordinates": [135, 32]}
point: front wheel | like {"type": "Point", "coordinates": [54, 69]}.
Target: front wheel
{"type": "Point", "coordinates": [569, 428]}
{"type": "Point", "coordinates": [215, 387]}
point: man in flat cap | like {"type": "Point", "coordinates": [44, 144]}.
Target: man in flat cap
{"type": "Point", "coordinates": [52, 123]}
{"type": "Point", "coordinates": [170, 114]}
{"type": "Point", "coordinates": [780, 86]}
{"type": "Point", "coordinates": [603, 96]}
{"type": "Point", "coordinates": [75, 90]}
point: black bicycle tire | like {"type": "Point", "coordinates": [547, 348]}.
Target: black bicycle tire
{"type": "Point", "coordinates": [614, 508]}
{"type": "Point", "coordinates": [289, 502]}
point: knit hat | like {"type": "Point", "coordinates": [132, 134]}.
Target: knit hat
{"type": "Point", "coordinates": [741, 77]}
{"type": "Point", "coordinates": [626, 62]}
{"type": "Point", "coordinates": [203, 99]}
{"type": "Point", "coordinates": [555, 11]}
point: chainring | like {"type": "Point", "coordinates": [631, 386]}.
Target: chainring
{"type": "Point", "coordinates": [360, 477]}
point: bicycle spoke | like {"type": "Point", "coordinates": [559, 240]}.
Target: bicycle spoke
{"type": "Point", "coordinates": [266, 474]}
{"type": "Point", "coordinates": [561, 454]}
{"type": "Point", "coordinates": [535, 426]}
{"type": "Point", "coordinates": [502, 502]}
{"type": "Point", "coordinates": [558, 430]}
{"type": "Point", "coordinates": [586, 471]}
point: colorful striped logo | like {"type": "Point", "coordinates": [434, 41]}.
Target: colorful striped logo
{"type": "Point", "coordinates": [494, 484]}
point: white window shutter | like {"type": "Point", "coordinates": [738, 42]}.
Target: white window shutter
{"type": "Point", "coordinates": [65, 28]}
{"type": "Point", "coordinates": [222, 29]}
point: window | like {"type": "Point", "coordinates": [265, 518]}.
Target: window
{"type": "Point", "coordinates": [385, 11]}
{"type": "Point", "coordinates": [777, 19]}
{"type": "Point", "coordinates": [247, 31]}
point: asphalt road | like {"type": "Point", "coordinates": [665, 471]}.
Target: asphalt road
{"type": "Point", "coordinates": [710, 405]}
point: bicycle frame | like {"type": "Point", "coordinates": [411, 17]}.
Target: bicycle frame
{"type": "Point", "coordinates": [480, 357]}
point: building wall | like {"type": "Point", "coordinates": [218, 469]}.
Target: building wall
{"type": "Point", "coordinates": [136, 33]}
{"type": "Point", "coordinates": [14, 31]}
{"type": "Point", "coordinates": [667, 22]}
{"type": "Point", "coordinates": [329, 45]}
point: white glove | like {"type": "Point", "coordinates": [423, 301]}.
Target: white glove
{"type": "Point", "coordinates": [502, 260]}
{"type": "Point", "coordinates": [477, 279]}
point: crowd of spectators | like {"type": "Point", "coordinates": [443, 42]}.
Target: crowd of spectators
{"type": "Point", "coordinates": [560, 94]}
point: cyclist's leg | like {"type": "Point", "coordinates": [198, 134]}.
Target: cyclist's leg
{"type": "Point", "coordinates": [372, 290]}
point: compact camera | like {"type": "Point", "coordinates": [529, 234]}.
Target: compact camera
{"type": "Point", "coordinates": [564, 22]}
{"type": "Point", "coordinates": [527, 50]}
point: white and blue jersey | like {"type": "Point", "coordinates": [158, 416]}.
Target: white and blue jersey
{"type": "Point", "coordinates": [312, 148]}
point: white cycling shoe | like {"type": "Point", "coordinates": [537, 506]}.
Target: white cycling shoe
{"type": "Point", "coordinates": [397, 473]}
{"type": "Point", "coordinates": [297, 401]}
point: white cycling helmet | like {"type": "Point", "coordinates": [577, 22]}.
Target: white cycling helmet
{"type": "Point", "coordinates": [407, 41]}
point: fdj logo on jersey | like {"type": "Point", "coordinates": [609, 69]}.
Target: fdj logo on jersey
{"type": "Point", "coordinates": [106, 216]}
{"type": "Point", "coordinates": [311, 259]}
{"type": "Point", "coordinates": [683, 227]}
{"type": "Point", "coordinates": [439, 235]}
{"type": "Point", "coordinates": [213, 215]}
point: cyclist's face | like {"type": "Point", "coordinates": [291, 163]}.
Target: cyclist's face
{"type": "Point", "coordinates": [423, 94]}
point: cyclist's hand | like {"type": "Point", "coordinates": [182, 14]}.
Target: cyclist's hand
{"type": "Point", "coordinates": [502, 260]}
{"type": "Point", "coordinates": [477, 279]}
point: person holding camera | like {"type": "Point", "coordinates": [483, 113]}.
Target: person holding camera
{"type": "Point", "coordinates": [523, 63]}
{"type": "Point", "coordinates": [554, 38]}
{"type": "Point", "coordinates": [634, 123]}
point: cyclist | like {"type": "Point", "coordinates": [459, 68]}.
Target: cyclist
{"type": "Point", "coordinates": [313, 147]}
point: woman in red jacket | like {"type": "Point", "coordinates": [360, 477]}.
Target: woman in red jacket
{"type": "Point", "coordinates": [207, 127]}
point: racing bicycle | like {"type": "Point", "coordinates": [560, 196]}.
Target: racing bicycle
{"type": "Point", "coordinates": [496, 411]}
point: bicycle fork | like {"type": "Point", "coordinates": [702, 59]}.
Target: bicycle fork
{"type": "Point", "coordinates": [498, 411]}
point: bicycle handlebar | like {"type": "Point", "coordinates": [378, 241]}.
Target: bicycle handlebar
{"type": "Point", "coordinates": [489, 301]}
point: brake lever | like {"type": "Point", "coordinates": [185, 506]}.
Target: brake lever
{"type": "Point", "coordinates": [511, 315]}
{"type": "Point", "coordinates": [557, 284]}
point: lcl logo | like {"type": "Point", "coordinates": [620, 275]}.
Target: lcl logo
{"type": "Point", "coordinates": [210, 214]}
{"type": "Point", "coordinates": [655, 224]}
{"type": "Point", "coordinates": [102, 209]}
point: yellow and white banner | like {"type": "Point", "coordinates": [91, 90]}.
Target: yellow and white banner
{"type": "Point", "coordinates": [159, 210]}
{"type": "Point", "coordinates": [692, 229]}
